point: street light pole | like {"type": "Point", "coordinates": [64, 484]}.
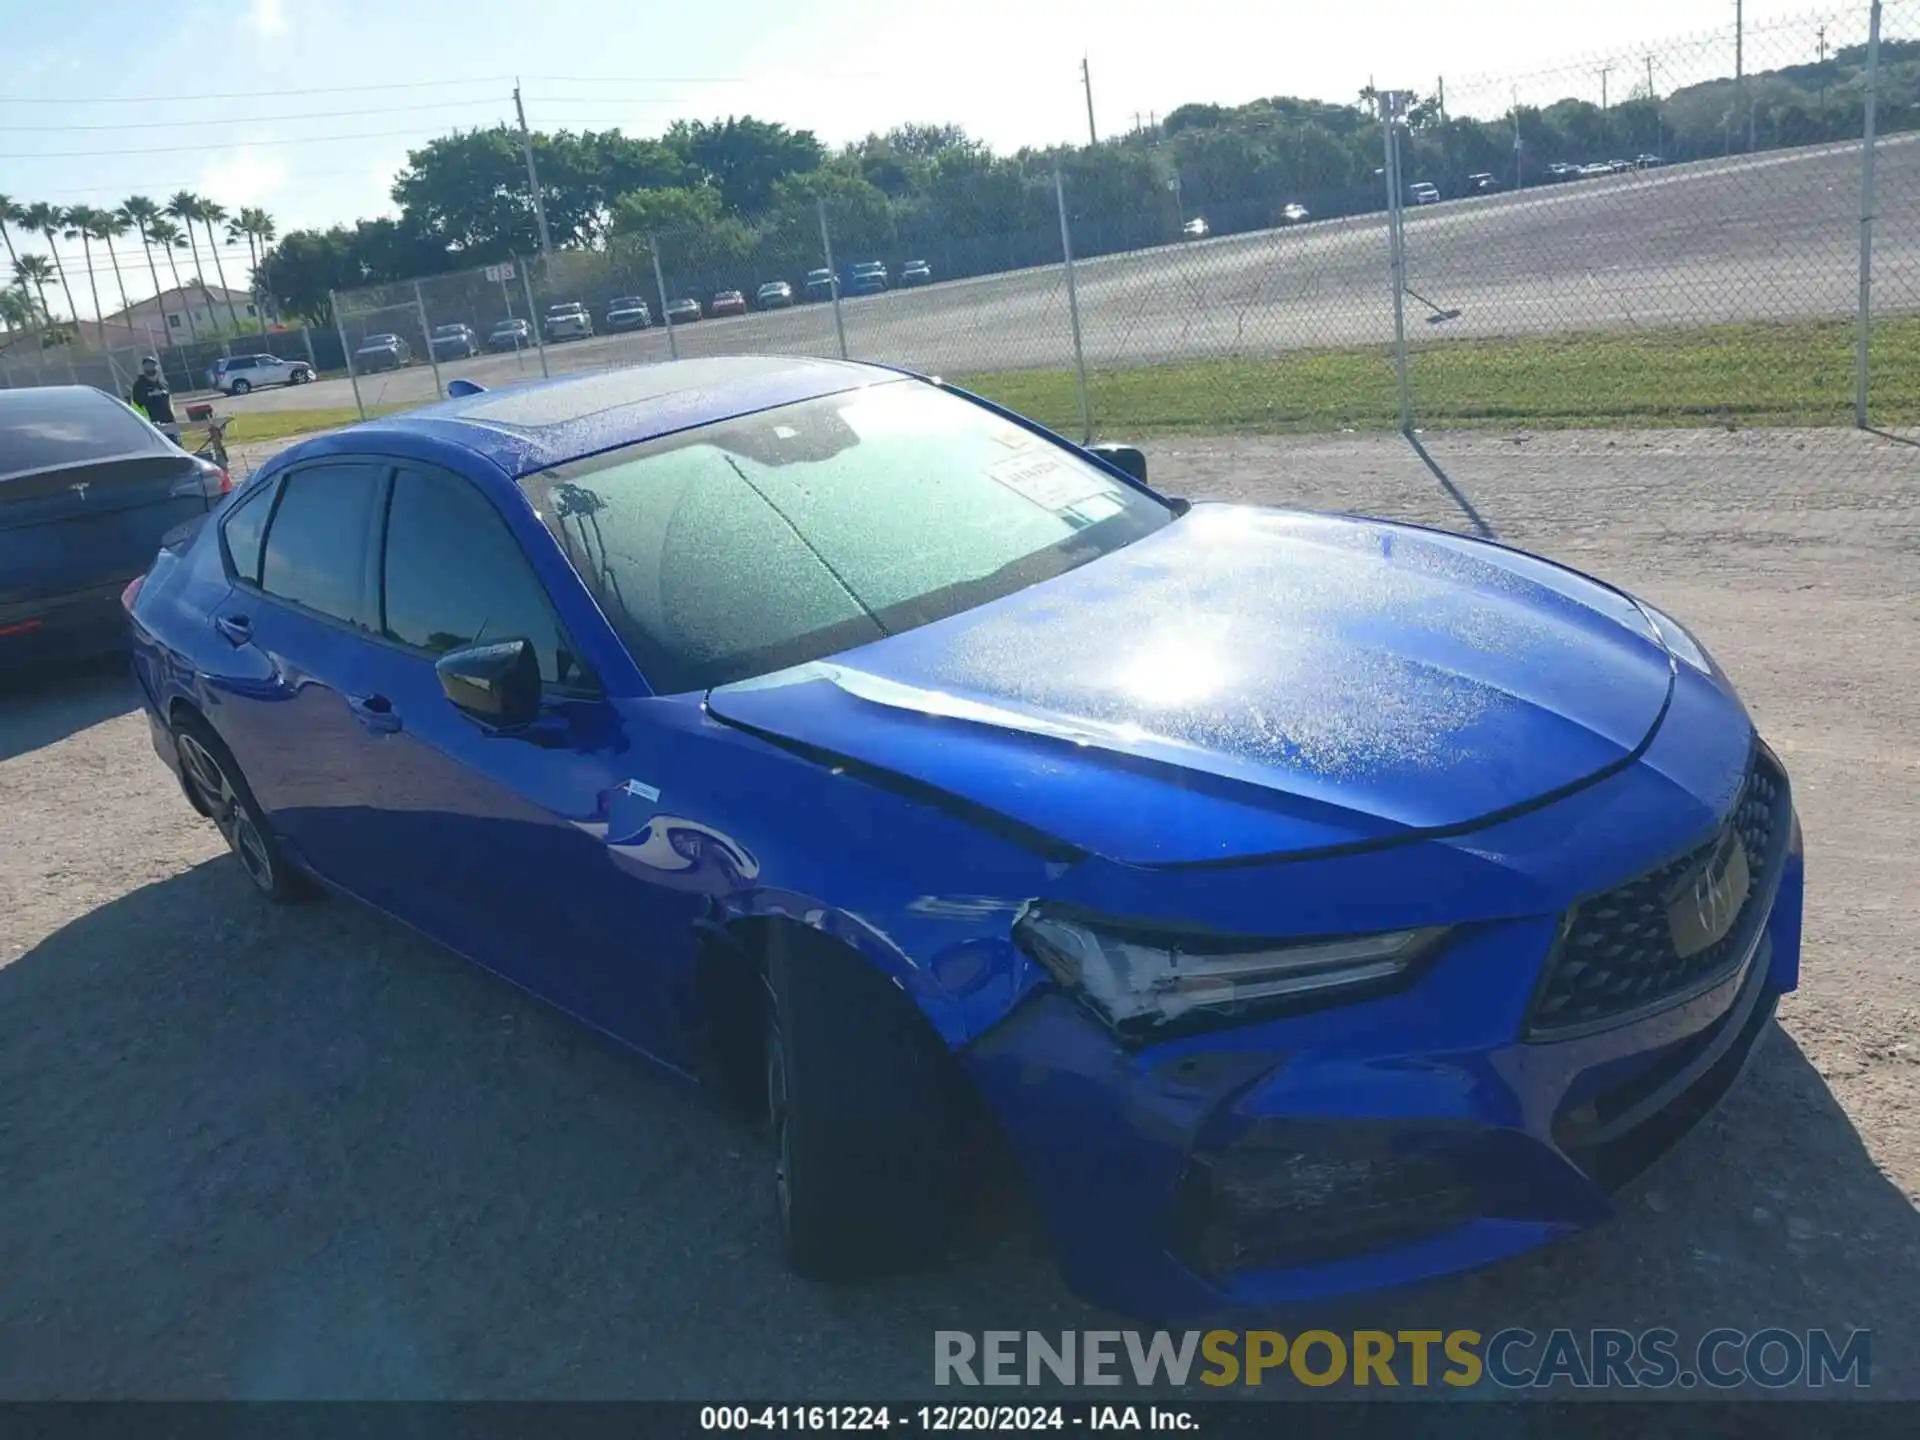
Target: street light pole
{"type": "Point", "coordinates": [1086, 80]}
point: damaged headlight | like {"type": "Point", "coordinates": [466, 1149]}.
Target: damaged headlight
{"type": "Point", "coordinates": [1141, 980]}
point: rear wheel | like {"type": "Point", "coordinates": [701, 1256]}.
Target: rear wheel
{"type": "Point", "coordinates": [861, 1095]}
{"type": "Point", "coordinates": [220, 792]}
{"type": "Point", "coordinates": [241, 387]}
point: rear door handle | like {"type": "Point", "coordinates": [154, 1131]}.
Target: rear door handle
{"type": "Point", "coordinates": [237, 628]}
{"type": "Point", "coordinates": [375, 712]}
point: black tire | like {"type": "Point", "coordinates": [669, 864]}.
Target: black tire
{"type": "Point", "coordinates": [301, 377]}
{"type": "Point", "coordinates": [241, 387]}
{"type": "Point", "coordinates": [219, 791]}
{"type": "Point", "coordinates": [862, 1098]}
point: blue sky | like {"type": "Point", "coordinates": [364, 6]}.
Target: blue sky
{"type": "Point", "coordinates": [307, 136]}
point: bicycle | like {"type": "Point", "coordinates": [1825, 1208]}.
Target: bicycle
{"type": "Point", "coordinates": [214, 447]}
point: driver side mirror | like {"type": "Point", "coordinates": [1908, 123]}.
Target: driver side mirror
{"type": "Point", "coordinates": [497, 684]}
{"type": "Point", "coordinates": [1129, 459]}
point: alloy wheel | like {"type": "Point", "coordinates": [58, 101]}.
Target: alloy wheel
{"type": "Point", "coordinates": [230, 813]}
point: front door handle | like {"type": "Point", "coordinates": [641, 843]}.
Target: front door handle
{"type": "Point", "coordinates": [237, 628]}
{"type": "Point", "coordinates": [376, 712]}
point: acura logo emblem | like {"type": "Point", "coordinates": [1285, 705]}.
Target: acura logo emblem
{"type": "Point", "coordinates": [1706, 903]}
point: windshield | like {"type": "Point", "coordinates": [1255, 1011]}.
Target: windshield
{"type": "Point", "coordinates": [628, 302]}
{"type": "Point", "coordinates": [444, 330]}
{"type": "Point", "coordinates": [743, 547]}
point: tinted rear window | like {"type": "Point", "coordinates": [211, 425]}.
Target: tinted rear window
{"type": "Point", "coordinates": [49, 426]}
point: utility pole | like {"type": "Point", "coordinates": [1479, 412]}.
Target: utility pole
{"type": "Point", "coordinates": [1440, 99]}
{"type": "Point", "coordinates": [1739, 65]}
{"type": "Point", "coordinates": [1653, 100]}
{"type": "Point", "coordinates": [533, 175]}
{"type": "Point", "coordinates": [1823, 72]}
{"type": "Point", "coordinates": [1605, 71]}
{"type": "Point", "coordinates": [1086, 79]}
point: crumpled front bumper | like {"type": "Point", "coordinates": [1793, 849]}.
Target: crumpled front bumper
{"type": "Point", "coordinates": [1294, 1160]}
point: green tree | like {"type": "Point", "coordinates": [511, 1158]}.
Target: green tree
{"type": "Point", "coordinates": [255, 226]}
{"type": "Point", "coordinates": [745, 158]}
{"type": "Point", "coordinates": [140, 212]}
{"type": "Point", "coordinates": [47, 220]}
{"type": "Point", "coordinates": [170, 236]}
{"type": "Point", "coordinates": [109, 225]}
{"type": "Point", "coordinates": [82, 223]}
{"type": "Point", "coordinates": [10, 214]}
{"type": "Point", "coordinates": [35, 270]}
{"type": "Point", "coordinates": [211, 214]}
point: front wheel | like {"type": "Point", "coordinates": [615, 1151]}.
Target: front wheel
{"type": "Point", "coordinates": [862, 1097]}
{"type": "Point", "coordinates": [301, 377]}
{"type": "Point", "coordinates": [219, 791]}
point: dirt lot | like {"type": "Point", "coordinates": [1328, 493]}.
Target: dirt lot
{"type": "Point", "coordinates": [255, 1152]}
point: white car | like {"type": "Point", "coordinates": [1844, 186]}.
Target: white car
{"type": "Point", "coordinates": [1423, 192]}
{"type": "Point", "coordinates": [237, 374]}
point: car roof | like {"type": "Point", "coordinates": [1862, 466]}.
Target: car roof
{"type": "Point", "coordinates": [524, 428]}
{"type": "Point", "coordinates": [48, 427]}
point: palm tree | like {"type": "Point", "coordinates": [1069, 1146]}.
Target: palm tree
{"type": "Point", "coordinates": [10, 214]}
{"type": "Point", "coordinates": [34, 270]}
{"type": "Point", "coordinates": [185, 206]}
{"type": "Point", "coordinates": [107, 226]}
{"type": "Point", "coordinates": [170, 237]}
{"type": "Point", "coordinates": [82, 224]}
{"type": "Point", "coordinates": [47, 220]}
{"type": "Point", "coordinates": [255, 224]}
{"type": "Point", "coordinates": [139, 212]}
{"type": "Point", "coordinates": [213, 213]}
{"type": "Point", "coordinates": [17, 309]}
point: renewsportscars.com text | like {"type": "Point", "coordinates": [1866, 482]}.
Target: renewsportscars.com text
{"type": "Point", "coordinates": [1512, 1359]}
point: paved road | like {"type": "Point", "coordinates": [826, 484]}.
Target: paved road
{"type": "Point", "coordinates": [1766, 237]}
{"type": "Point", "coordinates": [251, 1151]}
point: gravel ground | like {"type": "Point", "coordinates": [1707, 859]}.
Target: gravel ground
{"type": "Point", "coordinates": [261, 1152]}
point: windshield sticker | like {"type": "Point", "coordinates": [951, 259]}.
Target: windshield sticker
{"type": "Point", "coordinates": [1047, 482]}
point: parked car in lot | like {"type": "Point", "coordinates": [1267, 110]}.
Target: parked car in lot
{"type": "Point", "coordinates": [869, 277]}
{"type": "Point", "coordinates": [382, 352]}
{"type": "Point", "coordinates": [820, 284]}
{"type": "Point", "coordinates": [1423, 192]}
{"type": "Point", "coordinates": [683, 311]}
{"type": "Point", "coordinates": [454, 342]}
{"type": "Point", "coordinates": [568, 321]}
{"type": "Point", "coordinates": [237, 374]}
{"type": "Point", "coordinates": [1195, 229]}
{"type": "Point", "coordinates": [510, 335]}
{"type": "Point", "coordinates": [1294, 213]}
{"type": "Point", "coordinates": [1561, 170]}
{"type": "Point", "coordinates": [1647, 162]}
{"type": "Point", "coordinates": [728, 302]}
{"type": "Point", "coordinates": [774, 295]}
{"type": "Point", "coordinates": [88, 490]}
{"type": "Point", "coordinates": [1482, 182]}
{"type": "Point", "coordinates": [1308, 902]}
{"type": "Point", "coordinates": [916, 272]}
{"type": "Point", "coordinates": [1599, 167]}
{"type": "Point", "coordinates": [629, 312]}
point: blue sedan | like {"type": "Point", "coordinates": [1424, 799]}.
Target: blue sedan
{"type": "Point", "coordinates": [1305, 903]}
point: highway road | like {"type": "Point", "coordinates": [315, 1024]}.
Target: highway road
{"type": "Point", "coordinates": [1767, 237]}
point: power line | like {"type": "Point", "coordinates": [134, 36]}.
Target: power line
{"type": "Point", "coordinates": [222, 145]}
{"type": "Point", "coordinates": [176, 99]}
{"type": "Point", "coordinates": [276, 119]}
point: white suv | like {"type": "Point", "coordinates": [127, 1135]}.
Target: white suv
{"type": "Point", "coordinates": [237, 374]}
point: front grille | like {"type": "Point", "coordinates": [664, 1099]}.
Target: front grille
{"type": "Point", "coordinates": [1616, 957]}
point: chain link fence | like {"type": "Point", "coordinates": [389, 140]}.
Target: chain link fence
{"type": "Point", "coordinates": [187, 366]}
{"type": "Point", "coordinates": [1667, 236]}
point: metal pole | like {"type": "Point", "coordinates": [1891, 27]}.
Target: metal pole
{"type": "Point", "coordinates": [340, 329]}
{"type": "Point", "coordinates": [1396, 259]}
{"type": "Point", "coordinates": [306, 338]}
{"type": "Point", "coordinates": [1073, 310]}
{"type": "Point", "coordinates": [426, 335]}
{"type": "Point", "coordinates": [533, 315]}
{"type": "Point", "coordinates": [519, 350]}
{"type": "Point", "coordinates": [1086, 80]}
{"type": "Point", "coordinates": [666, 315]}
{"type": "Point", "coordinates": [533, 175]}
{"type": "Point", "coordinates": [1863, 341]}
{"type": "Point", "coordinates": [833, 276]}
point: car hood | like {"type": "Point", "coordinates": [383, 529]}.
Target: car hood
{"type": "Point", "coordinates": [1244, 682]}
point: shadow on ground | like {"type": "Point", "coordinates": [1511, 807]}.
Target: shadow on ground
{"type": "Point", "coordinates": [268, 1152]}
{"type": "Point", "coordinates": [43, 707]}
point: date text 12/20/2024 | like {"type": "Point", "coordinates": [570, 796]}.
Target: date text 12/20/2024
{"type": "Point", "coordinates": [948, 1419]}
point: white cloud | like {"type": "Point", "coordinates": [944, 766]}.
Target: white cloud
{"type": "Point", "coordinates": [267, 18]}
{"type": "Point", "coordinates": [243, 177]}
